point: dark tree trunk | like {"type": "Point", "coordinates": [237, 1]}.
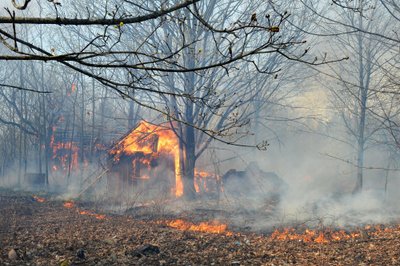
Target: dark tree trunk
{"type": "Point", "coordinates": [82, 127]}
{"type": "Point", "coordinates": [189, 141]}
{"type": "Point", "coordinates": [189, 161]}
{"type": "Point", "coordinates": [92, 136]}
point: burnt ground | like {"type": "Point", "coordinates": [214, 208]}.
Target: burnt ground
{"type": "Point", "coordinates": [47, 233]}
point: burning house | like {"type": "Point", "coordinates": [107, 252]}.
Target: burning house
{"type": "Point", "coordinates": [146, 157]}
{"type": "Point", "coordinates": [66, 153]}
{"type": "Point", "coordinates": [147, 161]}
{"type": "Point", "coordinates": [69, 152]}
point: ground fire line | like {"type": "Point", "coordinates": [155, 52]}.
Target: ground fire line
{"type": "Point", "coordinates": [323, 236]}
{"type": "Point", "coordinates": [42, 230]}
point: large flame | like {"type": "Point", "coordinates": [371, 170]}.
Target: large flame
{"type": "Point", "coordinates": [148, 139]}
{"type": "Point", "coordinates": [152, 140]}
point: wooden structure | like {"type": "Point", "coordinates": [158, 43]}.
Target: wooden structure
{"type": "Point", "coordinates": [137, 163]}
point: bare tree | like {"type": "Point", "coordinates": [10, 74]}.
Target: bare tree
{"type": "Point", "coordinates": [361, 77]}
{"type": "Point", "coordinates": [103, 47]}
{"type": "Point", "coordinates": [221, 98]}
{"type": "Point", "coordinates": [181, 62]}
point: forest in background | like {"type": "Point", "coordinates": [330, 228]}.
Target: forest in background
{"type": "Point", "coordinates": [307, 89]}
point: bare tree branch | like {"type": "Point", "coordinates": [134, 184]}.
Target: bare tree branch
{"type": "Point", "coordinates": [22, 6]}
{"type": "Point", "coordinates": [23, 89]}
{"type": "Point", "coordinates": [96, 21]}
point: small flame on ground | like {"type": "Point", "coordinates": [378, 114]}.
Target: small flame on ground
{"type": "Point", "coordinates": [321, 237]}
{"type": "Point", "coordinates": [100, 216]}
{"type": "Point", "coordinates": [69, 204]}
{"type": "Point", "coordinates": [209, 227]}
{"type": "Point", "coordinates": [95, 215]}
{"type": "Point", "coordinates": [39, 199]}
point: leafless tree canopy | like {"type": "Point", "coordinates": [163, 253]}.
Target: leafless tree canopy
{"type": "Point", "coordinates": [213, 70]}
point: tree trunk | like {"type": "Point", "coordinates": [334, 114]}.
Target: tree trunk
{"type": "Point", "coordinates": [361, 143]}
{"type": "Point", "coordinates": [92, 136]}
{"type": "Point", "coordinates": [82, 127]}
{"type": "Point", "coordinates": [363, 89]}
{"type": "Point", "coordinates": [21, 132]}
{"type": "Point", "coordinates": [360, 166]}
{"type": "Point", "coordinates": [43, 131]}
{"type": "Point", "coordinates": [70, 161]}
{"type": "Point", "coordinates": [131, 116]}
{"type": "Point", "coordinates": [189, 161]}
{"type": "Point", "coordinates": [102, 116]}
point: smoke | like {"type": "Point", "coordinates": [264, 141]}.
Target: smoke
{"type": "Point", "coordinates": [9, 179]}
{"type": "Point", "coordinates": [303, 179]}
{"type": "Point", "coordinates": [336, 210]}
{"type": "Point", "coordinates": [319, 169]}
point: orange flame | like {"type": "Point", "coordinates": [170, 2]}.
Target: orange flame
{"type": "Point", "coordinates": [100, 216]}
{"type": "Point", "coordinates": [39, 199]}
{"type": "Point", "coordinates": [73, 89]}
{"type": "Point", "coordinates": [69, 204]}
{"type": "Point", "coordinates": [209, 227]}
{"type": "Point", "coordinates": [95, 215]}
{"type": "Point", "coordinates": [321, 237]}
{"type": "Point", "coordinates": [149, 139]}
{"type": "Point", "coordinates": [145, 177]}
{"type": "Point", "coordinates": [202, 179]}
{"type": "Point", "coordinates": [62, 152]}
{"type": "Point", "coordinates": [65, 154]}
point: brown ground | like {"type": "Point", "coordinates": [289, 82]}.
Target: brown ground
{"type": "Point", "coordinates": [49, 234]}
